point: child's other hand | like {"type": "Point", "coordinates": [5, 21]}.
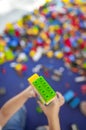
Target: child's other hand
{"type": "Point", "coordinates": [53, 108]}
{"type": "Point", "coordinates": [30, 92]}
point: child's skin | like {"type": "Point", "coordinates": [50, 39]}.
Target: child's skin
{"type": "Point", "coordinates": [51, 111]}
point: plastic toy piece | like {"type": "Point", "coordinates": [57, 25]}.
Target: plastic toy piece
{"type": "Point", "coordinates": [83, 89]}
{"type": "Point", "coordinates": [33, 78]}
{"type": "Point", "coordinates": [20, 68]}
{"type": "Point", "coordinates": [9, 55]}
{"type": "Point", "coordinates": [69, 96]}
{"type": "Point", "coordinates": [37, 68]}
{"type": "Point", "coordinates": [44, 90]}
{"type": "Point", "coordinates": [74, 127]}
{"type": "Point", "coordinates": [80, 79]}
{"type": "Point", "coordinates": [75, 102]}
{"type": "Point", "coordinates": [42, 128]}
{"type": "Point", "coordinates": [2, 91]}
{"type": "Point", "coordinates": [38, 109]}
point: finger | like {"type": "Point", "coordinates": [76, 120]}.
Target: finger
{"type": "Point", "coordinates": [62, 102]}
{"type": "Point", "coordinates": [30, 86]}
{"type": "Point", "coordinates": [59, 95]}
{"type": "Point", "coordinates": [61, 98]}
{"type": "Point", "coordinates": [33, 91]}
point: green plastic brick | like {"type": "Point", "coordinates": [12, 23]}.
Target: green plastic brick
{"type": "Point", "coordinates": [38, 109]}
{"type": "Point", "coordinates": [44, 89]}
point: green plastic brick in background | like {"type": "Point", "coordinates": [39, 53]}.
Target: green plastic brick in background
{"type": "Point", "coordinates": [44, 89]}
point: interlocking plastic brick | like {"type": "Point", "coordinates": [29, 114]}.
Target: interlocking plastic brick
{"type": "Point", "coordinates": [68, 96]}
{"type": "Point", "coordinates": [44, 90]}
{"type": "Point", "coordinates": [75, 102]}
{"type": "Point", "coordinates": [32, 78]}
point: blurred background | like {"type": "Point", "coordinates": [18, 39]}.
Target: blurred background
{"type": "Point", "coordinates": [47, 37]}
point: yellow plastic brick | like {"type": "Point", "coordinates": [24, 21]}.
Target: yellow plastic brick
{"type": "Point", "coordinates": [33, 78]}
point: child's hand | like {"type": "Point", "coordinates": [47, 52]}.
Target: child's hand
{"type": "Point", "coordinates": [30, 92]}
{"type": "Point", "coordinates": [52, 109]}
